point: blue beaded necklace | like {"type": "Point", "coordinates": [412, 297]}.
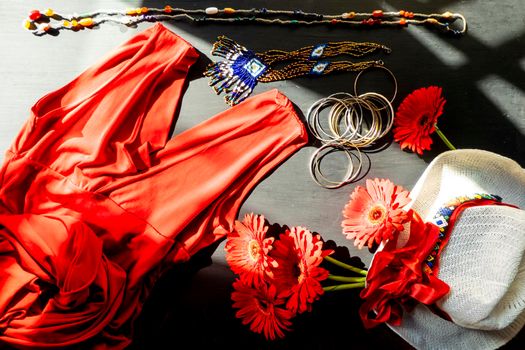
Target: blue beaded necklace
{"type": "Point", "coordinates": [241, 69]}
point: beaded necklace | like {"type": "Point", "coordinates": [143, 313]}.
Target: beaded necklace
{"type": "Point", "coordinates": [241, 69]}
{"type": "Point", "coordinates": [51, 22]}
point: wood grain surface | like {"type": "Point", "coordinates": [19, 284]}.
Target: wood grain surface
{"type": "Point", "coordinates": [483, 80]}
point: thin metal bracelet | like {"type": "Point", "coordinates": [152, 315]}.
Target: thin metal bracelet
{"type": "Point", "coordinates": [352, 172]}
{"type": "Point", "coordinates": [377, 67]}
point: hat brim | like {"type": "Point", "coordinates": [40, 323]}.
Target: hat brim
{"type": "Point", "coordinates": [453, 174]}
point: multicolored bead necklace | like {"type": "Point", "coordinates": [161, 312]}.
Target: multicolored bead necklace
{"type": "Point", "coordinates": [238, 74]}
{"type": "Point", "coordinates": [49, 21]}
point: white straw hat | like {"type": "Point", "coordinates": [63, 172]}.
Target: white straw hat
{"type": "Point", "coordinates": [484, 260]}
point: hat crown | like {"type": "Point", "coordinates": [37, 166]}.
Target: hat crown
{"type": "Point", "coordinates": [483, 263]}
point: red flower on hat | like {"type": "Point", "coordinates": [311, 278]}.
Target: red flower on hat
{"type": "Point", "coordinates": [299, 254]}
{"type": "Point", "coordinates": [375, 213]}
{"type": "Point", "coordinates": [262, 308]}
{"type": "Point", "coordinates": [247, 249]}
{"type": "Point", "coordinates": [416, 118]}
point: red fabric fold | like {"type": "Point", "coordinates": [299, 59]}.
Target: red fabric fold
{"type": "Point", "coordinates": [73, 291]}
{"type": "Point", "coordinates": [396, 279]}
{"type": "Point", "coordinates": [96, 202]}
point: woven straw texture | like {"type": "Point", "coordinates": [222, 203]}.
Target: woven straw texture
{"type": "Point", "coordinates": [484, 261]}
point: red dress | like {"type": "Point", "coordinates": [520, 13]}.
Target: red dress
{"type": "Point", "coordinates": [96, 200]}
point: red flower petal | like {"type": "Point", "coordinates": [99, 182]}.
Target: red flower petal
{"type": "Point", "coordinates": [262, 308]}
{"type": "Point", "coordinates": [247, 249]}
{"type": "Point", "coordinates": [299, 254]}
{"type": "Point", "coordinates": [416, 117]}
{"type": "Point", "coordinates": [375, 214]}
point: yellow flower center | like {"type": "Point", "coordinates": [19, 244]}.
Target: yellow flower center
{"type": "Point", "coordinates": [254, 249]}
{"type": "Point", "coordinates": [377, 214]}
{"type": "Point", "coordinates": [300, 278]}
{"type": "Point", "coordinates": [299, 271]}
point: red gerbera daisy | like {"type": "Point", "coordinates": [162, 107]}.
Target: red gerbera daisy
{"type": "Point", "coordinates": [416, 118]}
{"type": "Point", "coordinates": [247, 249]}
{"type": "Point", "coordinates": [262, 308]}
{"type": "Point", "coordinates": [299, 254]}
{"type": "Point", "coordinates": [376, 213]}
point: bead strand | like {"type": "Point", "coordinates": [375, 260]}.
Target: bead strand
{"type": "Point", "coordinates": [329, 49]}
{"type": "Point", "coordinates": [302, 68]}
{"type": "Point", "coordinates": [42, 23]}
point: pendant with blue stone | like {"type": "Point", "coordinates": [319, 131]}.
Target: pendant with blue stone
{"type": "Point", "coordinates": [319, 67]}
{"type": "Point", "coordinates": [237, 74]}
{"type": "Point", "coordinates": [317, 51]}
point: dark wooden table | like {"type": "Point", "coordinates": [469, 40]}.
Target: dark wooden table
{"type": "Point", "coordinates": [483, 78]}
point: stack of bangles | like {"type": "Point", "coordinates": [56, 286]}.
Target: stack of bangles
{"type": "Point", "coordinates": [354, 122]}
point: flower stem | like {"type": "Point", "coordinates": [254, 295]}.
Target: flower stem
{"type": "Point", "coordinates": [344, 286]}
{"type": "Point", "coordinates": [345, 266]}
{"type": "Point", "coordinates": [444, 138]}
{"type": "Point", "coordinates": [346, 279]}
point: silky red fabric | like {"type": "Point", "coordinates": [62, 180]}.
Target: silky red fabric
{"type": "Point", "coordinates": [96, 200]}
{"type": "Point", "coordinates": [396, 278]}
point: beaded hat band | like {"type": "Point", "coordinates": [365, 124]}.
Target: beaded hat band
{"type": "Point", "coordinates": [442, 220]}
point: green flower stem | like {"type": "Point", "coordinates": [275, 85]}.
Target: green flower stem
{"type": "Point", "coordinates": [444, 138]}
{"type": "Point", "coordinates": [344, 287]}
{"type": "Point", "coordinates": [346, 279]}
{"type": "Point", "coordinates": [345, 266]}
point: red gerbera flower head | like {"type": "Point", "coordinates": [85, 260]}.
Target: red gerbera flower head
{"type": "Point", "coordinates": [247, 249]}
{"type": "Point", "coordinates": [375, 213]}
{"type": "Point", "coordinates": [299, 254]}
{"type": "Point", "coordinates": [262, 308]}
{"type": "Point", "coordinates": [416, 118]}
